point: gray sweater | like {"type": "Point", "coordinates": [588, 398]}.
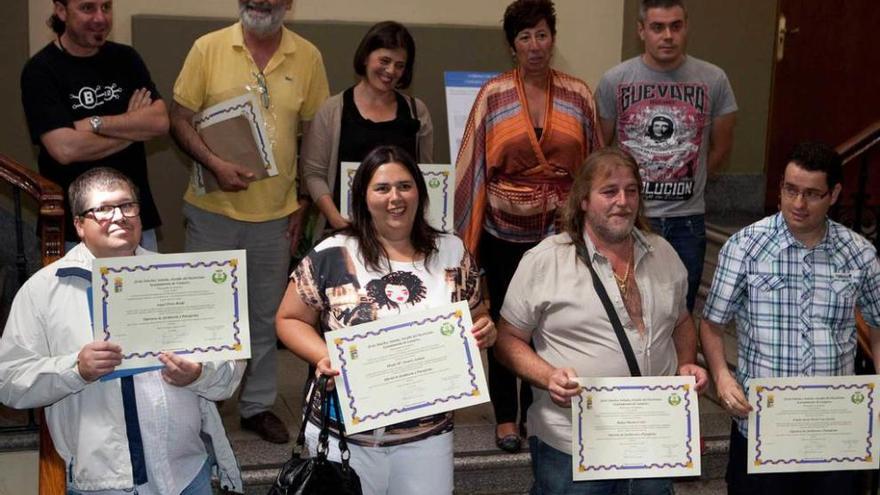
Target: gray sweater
{"type": "Point", "coordinates": [319, 160]}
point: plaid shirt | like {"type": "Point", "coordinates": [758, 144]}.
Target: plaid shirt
{"type": "Point", "coordinates": [794, 306]}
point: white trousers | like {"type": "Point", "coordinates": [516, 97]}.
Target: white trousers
{"type": "Point", "coordinates": [423, 467]}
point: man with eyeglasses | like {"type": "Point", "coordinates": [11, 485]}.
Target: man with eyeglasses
{"type": "Point", "coordinates": [675, 114]}
{"type": "Point", "coordinates": [792, 282]}
{"type": "Point", "coordinates": [256, 55]}
{"type": "Point", "coordinates": [151, 433]}
{"type": "Point", "coordinates": [90, 102]}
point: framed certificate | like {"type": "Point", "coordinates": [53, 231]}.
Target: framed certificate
{"type": "Point", "coordinates": [234, 130]}
{"type": "Point", "coordinates": [406, 367]}
{"type": "Point", "coordinates": [440, 179]}
{"type": "Point", "coordinates": [646, 427]}
{"type": "Point", "coordinates": [813, 424]}
{"type": "Point", "coordinates": [193, 304]}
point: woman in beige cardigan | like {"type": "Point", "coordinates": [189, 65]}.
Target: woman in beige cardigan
{"type": "Point", "coordinates": [371, 113]}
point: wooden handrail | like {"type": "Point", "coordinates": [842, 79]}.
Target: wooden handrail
{"type": "Point", "coordinates": [849, 150]}
{"type": "Point", "coordinates": [50, 198]}
{"type": "Point", "coordinates": [860, 143]}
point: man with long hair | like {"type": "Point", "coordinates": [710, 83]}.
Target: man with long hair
{"type": "Point", "coordinates": [553, 303]}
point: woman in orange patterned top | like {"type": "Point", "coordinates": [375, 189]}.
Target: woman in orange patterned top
{"type": "Point", "coordinates": [529, 130]}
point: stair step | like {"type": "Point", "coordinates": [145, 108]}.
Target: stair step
{"type": "Point", "coordinates": [13, 441]}
{"type": "Point", "coordinates": [482, 469]}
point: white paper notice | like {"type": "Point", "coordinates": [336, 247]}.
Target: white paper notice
{"type": "Point", "coordinates": [461, 91]}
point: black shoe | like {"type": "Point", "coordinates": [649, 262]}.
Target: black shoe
{"type": "Point", "coordinates": [508, 443]}
{"type": "Point", "coordinates": [267, 426]}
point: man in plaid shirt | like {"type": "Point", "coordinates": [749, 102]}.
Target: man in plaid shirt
{"type": "Point", "coordinates": [792, 281]}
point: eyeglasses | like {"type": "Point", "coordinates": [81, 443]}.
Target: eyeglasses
{"type": "Point", "coordinates": [810, 195]}
{"type": "Point", "coordinates": [262, 89]}
{"type": "Point", "coordinates": [104, 213]}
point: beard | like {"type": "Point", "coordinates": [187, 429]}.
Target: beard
{"type": "Point", "coordinates": [608, 232]}
{"type": "Point", "coordinates": [261, 26]}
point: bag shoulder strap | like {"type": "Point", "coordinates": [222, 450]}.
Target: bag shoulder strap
{"type": "Point", "coordinates": [343, 445]}
{"type": "Point", "coordinates": [301, 438]}
{"type": "Point", "coordinates": [612, 313]}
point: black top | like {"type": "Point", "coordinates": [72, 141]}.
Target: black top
{"type": "Point", "coordinates": [58, 89]}
{"type": "Point", "coordinates": [358, 136]}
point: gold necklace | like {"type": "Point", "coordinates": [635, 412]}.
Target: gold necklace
{"type": "Point", "coordinates": [623, 282]}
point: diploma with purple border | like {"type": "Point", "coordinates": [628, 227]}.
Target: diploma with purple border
{"type": "Point", "coordinates": [439, 179]}
{"type": "Point", "coordinates": [813, 424]}
{"type": "Point", "coordinates": [192, 304]}
{"type": "Point", "coordinates": [644, 427]}
{"type": "Point", "coordinates": [406, 367]}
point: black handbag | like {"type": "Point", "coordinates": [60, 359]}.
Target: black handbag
{"type": "Point", "coordinates": [318, 475]}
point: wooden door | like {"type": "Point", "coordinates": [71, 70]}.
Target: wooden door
{"type": "Point", "coordinates": [826, 87]}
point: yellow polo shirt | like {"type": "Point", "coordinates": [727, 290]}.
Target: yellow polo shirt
{"type": "Point", "coordinates": [220, 67]}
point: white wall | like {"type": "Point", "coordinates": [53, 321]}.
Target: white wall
{"type": "Point", "coordinates": [589, 32]}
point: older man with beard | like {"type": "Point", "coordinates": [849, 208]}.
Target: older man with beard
{"type": "Point", "coordinates": [553, 303]}
{"type": "Point", "coordinates": [286, 73]}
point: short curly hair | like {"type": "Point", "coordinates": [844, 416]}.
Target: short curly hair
{"type": "Point", "coordinates": [525, 14]}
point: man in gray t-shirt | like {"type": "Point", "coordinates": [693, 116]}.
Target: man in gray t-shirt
{"type": "Point", "coordinates": [675, 114]}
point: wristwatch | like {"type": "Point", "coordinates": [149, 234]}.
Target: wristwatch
{"type": "Point", "coordinates": [96, 122]}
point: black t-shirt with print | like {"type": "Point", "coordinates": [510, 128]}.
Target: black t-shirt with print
{"type": "Point", "coordinates": [58, 89]}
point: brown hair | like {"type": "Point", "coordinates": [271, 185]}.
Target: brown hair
{"type": "Point", "coordinates": [96, 179]}
{"type": "Point", "coordinates": [391, 35]}
{"type": "Point", "coordinates": [597, 165]}
{"type": "Point", "coordinates": [422, 236]}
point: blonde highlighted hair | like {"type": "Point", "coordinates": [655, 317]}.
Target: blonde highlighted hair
{"type": "Point", "coordinates": [598, 165]}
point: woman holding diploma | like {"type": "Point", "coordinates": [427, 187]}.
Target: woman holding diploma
{"type": "Point", "coordinates": [370, 113]}
{"type": "Point", "coordinates": [387, 262]}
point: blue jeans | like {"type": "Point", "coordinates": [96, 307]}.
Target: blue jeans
{"type": "Point", "coordinates": [552, 471]}
{"type": "Point", "coordinates": [687, 235]}
{"type": "Point", "coordinates": [200, 485]}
